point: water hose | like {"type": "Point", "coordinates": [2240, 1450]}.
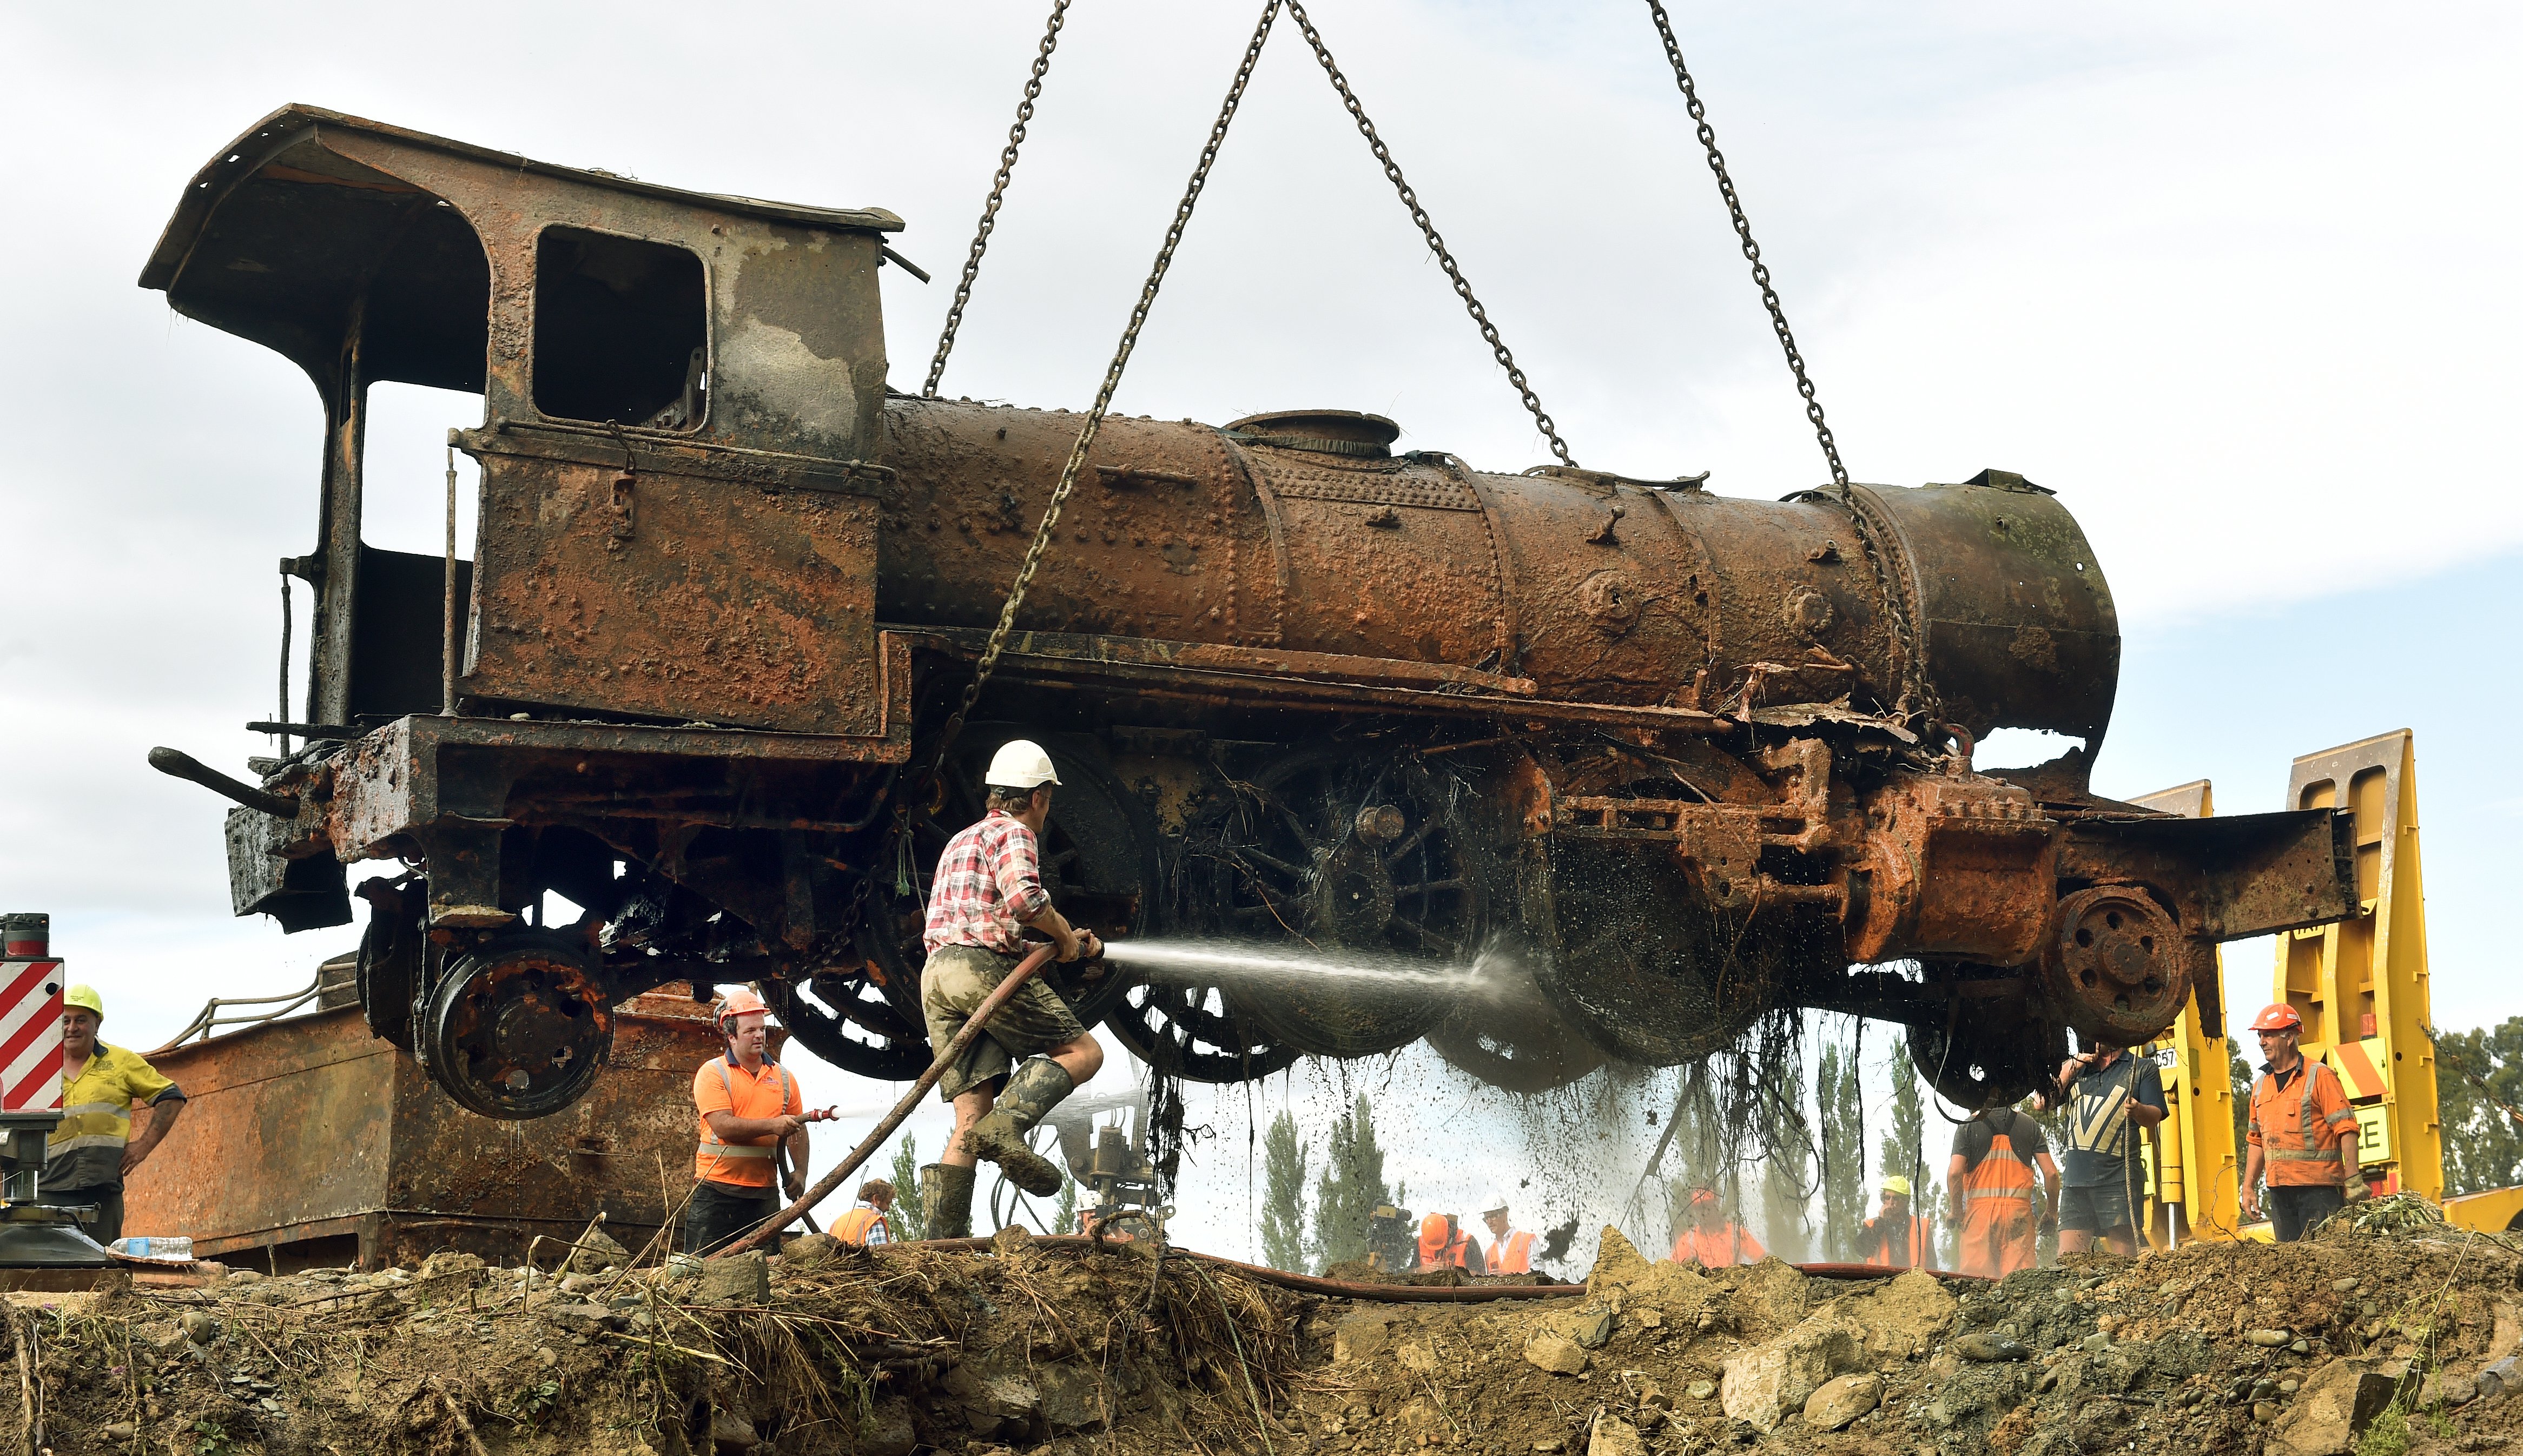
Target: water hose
{"type": "Point", "coordinates": [1391, 1294]}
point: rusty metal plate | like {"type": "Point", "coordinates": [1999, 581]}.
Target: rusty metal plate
{"type": "Point", "coordinates": [312, 1128]}
{"type": "Point", "coordinates": [1428, 490]}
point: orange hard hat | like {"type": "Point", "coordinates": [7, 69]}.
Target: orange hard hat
{"type": "Point", "coordinates": [743, 1001]}
{"type": "Point", "coordinates": [1699, 1196]}
{"type": "Point", "coordinates": [1434, 1226]}
{"type": "Point", "coordinates": [2278, 1018]}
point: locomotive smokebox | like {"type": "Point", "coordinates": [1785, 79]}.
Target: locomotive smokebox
{"type": "Point", "coordinates": [1686, 757]}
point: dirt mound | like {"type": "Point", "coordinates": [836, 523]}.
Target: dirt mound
{"type": "Point", "coordinates": [2354, 1342]}
{"type": "Point", "coordinates": [2379, 1343]}
{"type": "Point", "coordinates": [826, 1351]}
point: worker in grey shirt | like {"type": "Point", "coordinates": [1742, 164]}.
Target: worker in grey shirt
{"type": "Point", "coordinates": [2112, 1098]}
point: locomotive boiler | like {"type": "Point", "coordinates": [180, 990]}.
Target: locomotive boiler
{"type": "Point", "coordinates": [1677, 758]}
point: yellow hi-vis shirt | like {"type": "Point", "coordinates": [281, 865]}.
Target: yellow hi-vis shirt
{"type": "Point", "coordinates": [86, 1149]}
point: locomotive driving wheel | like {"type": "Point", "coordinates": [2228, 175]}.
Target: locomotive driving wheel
{"type": "Point", "coordinates": [1340, 851]}
{"type": "Point", "coordinates": [1647, 971]}
{"type": "Point", "coordinates": [1193, 1033]}
{"type": "Point", "coordinates": [1523, 1049]}
{"type": "Point", "coordinates": [856, 1018]}
{"type": "Point", "coordinates": [1986, 1052]}
{"type": "Point", "coordinates": [517, 1027]}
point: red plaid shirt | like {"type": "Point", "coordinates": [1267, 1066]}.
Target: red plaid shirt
{"type": "Point", "coordinates": [989, 882]}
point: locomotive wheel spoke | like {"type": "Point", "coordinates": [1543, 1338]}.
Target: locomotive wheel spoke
{"type": "Point", "coordinates": [1410, 842]}
{"type": "Point", "coordinates": [1430, 887]}
{"type": "Point", "coordinates": [1273, 862]}
{"type": "Point", "coordinates": [1431, 938]}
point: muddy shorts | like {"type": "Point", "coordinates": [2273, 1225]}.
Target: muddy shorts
{"type": "Point", "coordinates": [2098, 1209]}
{"type": "Point", "coordinates": [953, 985]}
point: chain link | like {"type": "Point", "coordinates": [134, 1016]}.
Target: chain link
{"type": "Point", "coordinates": [1076, 462]}
{"type": "Point", "coordinates": [1428, 230]}
{"type": "Point", "coordinates": [998, 194]}
{"type": "Point", "coordinates": [918, 788]}
{"type": "Point", "coordinates": [1919, 697]}
{"type": "Point", "coordinates": [1751, 249]}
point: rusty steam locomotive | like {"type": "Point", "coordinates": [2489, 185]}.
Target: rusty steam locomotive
{"type": "Point", "coordinates": [1686, 757]}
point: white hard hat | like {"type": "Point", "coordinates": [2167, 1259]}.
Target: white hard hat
{"type": "Point", "coordinates": [1495, 1202]}
{"type": "Point", "coordinates": [1020, 763]}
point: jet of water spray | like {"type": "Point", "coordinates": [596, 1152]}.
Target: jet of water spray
{"type": "Point", "coordinates": [1488, 976]}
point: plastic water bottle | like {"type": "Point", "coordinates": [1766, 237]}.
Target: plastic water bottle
{"type": "Point", "coordinates": [171, 1251]}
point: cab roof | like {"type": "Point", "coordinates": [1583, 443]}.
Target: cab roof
{"type": "Point", "coordinates": [286, 129]}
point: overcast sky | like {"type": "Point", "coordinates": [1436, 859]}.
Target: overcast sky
{"type": "Point", "coordinates": [2236, 281]}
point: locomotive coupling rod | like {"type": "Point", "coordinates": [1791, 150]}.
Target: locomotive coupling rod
{"type": "Point", "coordinates": [946, 1054]}
{"type": "Point", "coordinates": [176, 764]}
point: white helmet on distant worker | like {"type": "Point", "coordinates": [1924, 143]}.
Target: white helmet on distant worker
{"type": "Point", "coordinates": [1495, 1202]}
{"type": "Point", "coordinates": [1020, 763]}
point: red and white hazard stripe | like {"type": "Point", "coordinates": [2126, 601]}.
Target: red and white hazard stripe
{"type": "Point", "coordinates": [31, 1036]}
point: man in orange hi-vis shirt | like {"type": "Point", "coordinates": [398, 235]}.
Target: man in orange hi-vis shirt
{"type": "Point", "coordinates": [1990, 1188]}
{"type": "Point", "coordinates": [1442, 1243]}
{"type": "Point", "coordinates": [2302, 1133]}
{"type": "Point", "coordinates": [1711, 1240]}
{"type": "Point", "coordinates": [749, 1108]}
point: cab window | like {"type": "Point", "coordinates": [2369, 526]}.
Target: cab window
{"type": "Point", "coordinates": [621, 330]}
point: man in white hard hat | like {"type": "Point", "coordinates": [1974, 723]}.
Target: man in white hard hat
{"type": "Point", "coordinates": [989, 887]}
{"type": "Point", "coordinates": [1510, 1248]}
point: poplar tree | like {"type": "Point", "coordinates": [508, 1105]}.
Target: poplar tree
{"type": "Point", "coordinates": [1786, 1171]}
{"type": "Point", "coordinates": [1844, 1203]}
{"type": "Point", "coordinates": [906, 1220]}
{"type": "Point", "coordinates": [1283, 1195]}
{"type": "Point", "coordinates": [1350, 1186]}
{"type": "Point", "coordinates": [1904, 1154]}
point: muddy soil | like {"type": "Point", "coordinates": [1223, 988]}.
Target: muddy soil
{"type": "Point", "coordinates": [2376, 1341]}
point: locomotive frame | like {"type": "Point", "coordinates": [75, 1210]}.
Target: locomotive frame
{"type": "Point", "coordinates": [1686, 757]}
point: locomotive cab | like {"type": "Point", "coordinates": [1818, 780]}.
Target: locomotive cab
{"type": "Point", "coordinates": [1686, 759]}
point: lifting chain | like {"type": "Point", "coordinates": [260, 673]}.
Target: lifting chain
{"type": "Point", "coordinates": [1751, 249]}
{"type": "Point", "coordinates": [998, 194]}
{"type": "Point", "coordinates": [922, 787]}
{"type": "Point", "coordinates": [1919, 697]}
{"type": "Point", "coordinates": [1428, 230]}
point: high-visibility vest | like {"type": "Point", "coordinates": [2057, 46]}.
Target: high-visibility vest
{"type": "Point", "coordinates": [2299, 1138]}
{"type": "Point", "coordinates": [1729, 1245]}
{"type": "Point", "coordinates": [716, 1155]}
{"type": "Point", "coordinates": [96, 1104]}
{"type": "Point", "coordinates": [1437, 1251]}
{"type": "Point", "coordinates": [1915, 1257]}
{"type": "Point", "coordinates": [862, 1225]}
{"type": "Point", "coordinates": [1999, 1174]}
{"type": "Point", "coordinates": [1512, 1252]}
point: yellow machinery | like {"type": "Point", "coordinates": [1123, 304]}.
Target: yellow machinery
{"type": "Point", "coordinates": [2193, 1164]}
{"type": "Point", "coordinates": [2361, 985]}
{"type": "Point", "coordinates": [2362, 988]}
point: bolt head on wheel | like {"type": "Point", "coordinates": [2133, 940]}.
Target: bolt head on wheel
{"type": "Point", "coordinates": [2116, 967]}
{"type": "Point", "coordinates": [519, 1027]}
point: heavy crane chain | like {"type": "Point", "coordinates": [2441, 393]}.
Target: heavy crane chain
{"type": "Point", "coordinates": [1428, 230]}
{"type": "Point", "coordinates": [998, 194]}
{"type": "Point", "coordinates": [1751, 249]}
{"type": "Point", "coordinates": [1076, 462]}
